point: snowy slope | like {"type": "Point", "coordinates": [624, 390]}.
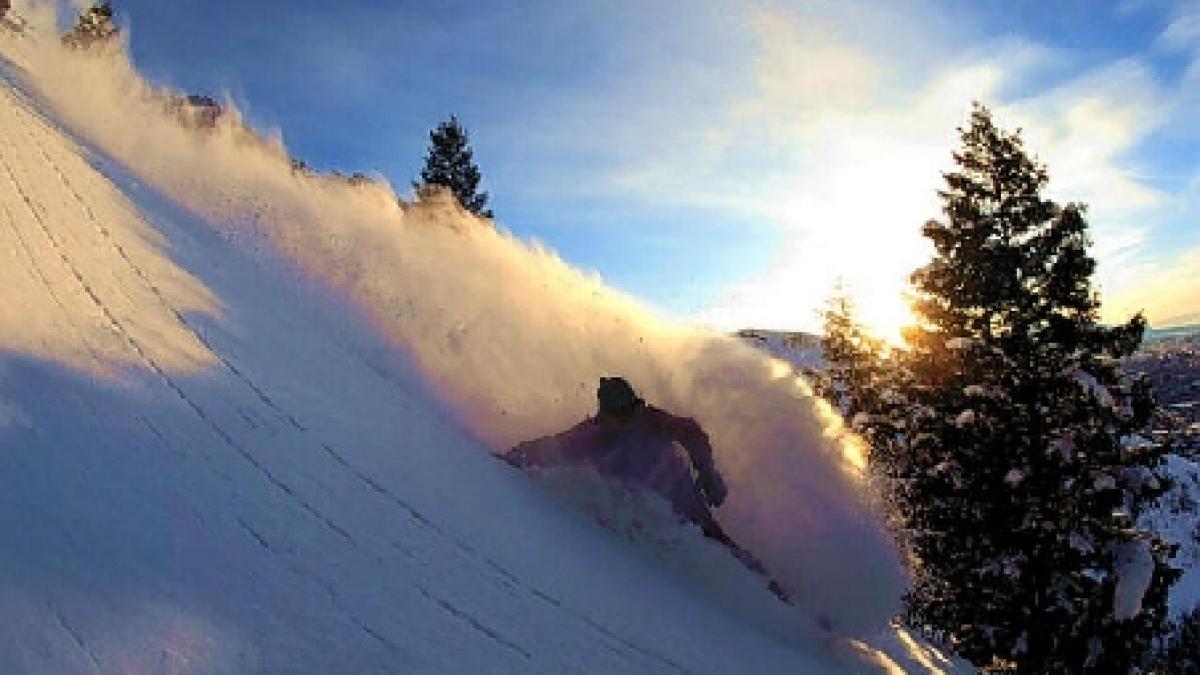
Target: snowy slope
{"type": "Point", "coordinates": [801, 350]}
{"type": "Point", "coordinates": [215, 459]}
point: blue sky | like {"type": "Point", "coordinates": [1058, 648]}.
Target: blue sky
{"type": "Point", "coordinates": [727, 161]}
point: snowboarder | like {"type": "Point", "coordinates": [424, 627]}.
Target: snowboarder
{"type": "Point", "coordinates": [639, 445]}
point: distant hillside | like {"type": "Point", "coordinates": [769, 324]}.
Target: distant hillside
{"type": "Point", "coordinates": [1174, 332]}
{"type": "Point", "coordinates": [802, 350]}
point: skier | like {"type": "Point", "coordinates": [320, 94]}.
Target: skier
{"type": "Point", "coordinates": [639, 445]}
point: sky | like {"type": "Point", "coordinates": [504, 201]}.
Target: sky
{"type": "Point", "coordinates": [728, 162]}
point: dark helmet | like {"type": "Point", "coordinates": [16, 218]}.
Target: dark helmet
{"type": "Point", "coordinates": [615, 397]}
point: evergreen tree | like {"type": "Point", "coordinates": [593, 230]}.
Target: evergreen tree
{"type": "Point", "coordinates": [1018, 471]}
{"type": "Point", "coordinates": [93, 27]}
{"type": "Point", "coordinates": [450, 163]}
{"type": "Point", "coordinates": [853, 358]}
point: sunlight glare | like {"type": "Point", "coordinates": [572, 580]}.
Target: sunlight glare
{"type": "Point", "coordinates": [862, 225]}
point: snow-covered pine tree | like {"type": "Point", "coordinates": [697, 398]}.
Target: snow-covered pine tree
{"type": "Point", "coordinates": [93, 27]}
{"type": "Point", "coordinates": [853, 357]}
{"type": "Point", "coordinates": [450, 162]}
{"type": "Point", "coordinates": [1019, 483]}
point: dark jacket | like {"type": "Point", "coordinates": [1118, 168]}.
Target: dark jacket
{"type": "Point", "coordinates": [649, 449]}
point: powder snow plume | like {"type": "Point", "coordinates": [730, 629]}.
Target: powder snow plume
{"type": "Point", "coordinates": [512, 337]}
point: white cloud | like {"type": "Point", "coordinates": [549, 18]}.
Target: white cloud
{"type": "Point", "coordinates": [802, 76]}
{"type": "Point", "coordinates": [1183, 31]}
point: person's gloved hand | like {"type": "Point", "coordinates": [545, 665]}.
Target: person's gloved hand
{"type": "Point", "coordinates": [516, 457]}
{"type": "Point", "coordinates": [714, 488]}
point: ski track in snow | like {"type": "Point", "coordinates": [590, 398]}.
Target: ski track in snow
{"type": "Point", "coordinates": [75, 636]}
{"type": "Point", "coordinates": [60, 247]}
{"type": "Point", "coordinates": [199, 336]}
{"type": "Point", "coordinates": [133, 343]}
{"type": "Point", "coordinates": [137, 348]}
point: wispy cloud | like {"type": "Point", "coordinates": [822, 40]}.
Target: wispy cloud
{"type": "Point", "coordinates": [1183, 31]}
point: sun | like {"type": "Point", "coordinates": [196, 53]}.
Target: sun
{"type": "Point", "coordinates": [858, 222]}
{"type": "Point", "coordinates": [888, 321]}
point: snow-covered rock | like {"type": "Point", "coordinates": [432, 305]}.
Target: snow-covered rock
{"type": "Point", "coordinates": [1134, 568]}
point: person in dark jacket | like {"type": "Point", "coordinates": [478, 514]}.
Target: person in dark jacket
{"type": "Point", "coordinates": [641, 446]}
{"type": "Point", "coordinates": [645, 447]}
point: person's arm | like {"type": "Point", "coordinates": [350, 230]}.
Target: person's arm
{"type": "Point", "coordinates": [695, 441]}
{"type": "Point", "coordinates": [550, 451]}
{"type": "Point", "coordinates": [529, 453]}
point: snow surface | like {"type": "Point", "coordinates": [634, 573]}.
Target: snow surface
{"type": "Point", "coordinates": [1175, 518]}
{"type": "Point", "coordinates": [1091, 385]}
{"type": "Point", "coordinates": [245, 420]}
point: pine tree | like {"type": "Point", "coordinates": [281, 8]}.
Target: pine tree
{"type": "Point", "coordinates": [1018, 471]}
{"type": "Point", "coordinates": [93, 27]}
{"type": "Point", "coordinates": [450, 163]}
{"type": "Point", "coordinates": [853, 358]}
